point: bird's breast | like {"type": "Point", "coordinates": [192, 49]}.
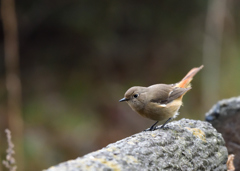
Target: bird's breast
{"type": "Point", "coordinates": [159, 112]}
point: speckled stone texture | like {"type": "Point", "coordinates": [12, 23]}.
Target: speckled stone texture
{"type": "Point", "coordinates": [185, 145]}
{"type": "Point", "coordinates": [225, 117]}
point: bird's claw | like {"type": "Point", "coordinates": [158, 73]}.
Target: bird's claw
{"type": "Point", "coordinates": [150, 129]}
{"type": "Point", "coordinates": [164, 127]}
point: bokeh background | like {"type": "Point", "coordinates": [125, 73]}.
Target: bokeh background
{"type": "Point", "coordinates": [76, 58]}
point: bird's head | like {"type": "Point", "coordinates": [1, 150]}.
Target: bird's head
{"type": "Point", "coordinates": [135, 97]}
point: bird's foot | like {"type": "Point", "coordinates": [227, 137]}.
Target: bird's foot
{"type": "Point", "coordinates": [152, 128]}
{"type": "Point", "coordinates": [164, 127]}
{"type": "Point", "coordinates": [149, 129]}
{"type": "Point", "coordinates": [146, 130]}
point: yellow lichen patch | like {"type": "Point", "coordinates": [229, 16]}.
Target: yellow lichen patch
{"type": "Point", "coordinates": [110, 149]}
{"type": "Point", "coordinates": [112, 165]}
{"type": "Point", "coordinates": [131, 143]}
{"type": "Point", "coordinates": [198, 133]}
{"type": "Point", "coordinates": [153, 135]}
{"type": "Point", "coordinates": [131, 159]}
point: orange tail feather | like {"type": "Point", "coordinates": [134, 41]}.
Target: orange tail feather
{"type": "Point", "coordinates": [185, 82]}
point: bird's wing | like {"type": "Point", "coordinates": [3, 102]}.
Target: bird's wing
{"type": "Point", "coordinates": [164, 93]}
{"type": "Point", "coordinates": [176, 93]}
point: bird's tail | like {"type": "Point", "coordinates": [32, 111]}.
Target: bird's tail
{"type": "Point", "coordinates": [185, 82]}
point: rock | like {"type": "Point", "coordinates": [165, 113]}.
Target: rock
{"type": "Point", "coordinates": [225, 117]}
{"type": "Point", "coordinates": [183, 145]}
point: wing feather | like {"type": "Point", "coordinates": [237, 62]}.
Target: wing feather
{"type": "Point", "coordinates": [164, 93]}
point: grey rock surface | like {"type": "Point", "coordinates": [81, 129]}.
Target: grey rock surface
{"type": "Point", "coordinates": [183, 145]}
{"type": "Point", "coordinates": [225, 117]}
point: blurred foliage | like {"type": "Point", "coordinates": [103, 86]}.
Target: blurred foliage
{"type": "Point", "coordinates": [79, 57]}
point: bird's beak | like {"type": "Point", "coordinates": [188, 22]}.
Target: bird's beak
{"type": "Point", "coordinates": [123, 99]}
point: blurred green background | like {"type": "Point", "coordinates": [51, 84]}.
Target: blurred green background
{"type": "Point", "coordinates": [78, 57]}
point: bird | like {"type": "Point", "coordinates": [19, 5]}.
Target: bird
{"type": "Point", "coordinates": [159, 102]}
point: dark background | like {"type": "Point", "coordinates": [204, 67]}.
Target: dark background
{"type": "Point", "coordinates": [78, 57]}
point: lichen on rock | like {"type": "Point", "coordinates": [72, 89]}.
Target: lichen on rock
{"type": "Point", "coordinates": [183, 145]}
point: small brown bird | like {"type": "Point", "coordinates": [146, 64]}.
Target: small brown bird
{"type": "Point", "coordinates": [159, 102]}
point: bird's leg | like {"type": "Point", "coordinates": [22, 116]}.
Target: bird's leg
{"type": "Point", "coordinates": [165, 123]}
{"type": "Point", "coordinates": [153, 127]}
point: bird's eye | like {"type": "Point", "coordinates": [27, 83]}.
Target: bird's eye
{"type": "Point", "coordinates": [135, 95]}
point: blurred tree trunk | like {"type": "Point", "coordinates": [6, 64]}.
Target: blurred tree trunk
{"type": "Point", "coordinates": [212, 51]}
{"type": "Point", "coordinates": [13, 83]}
